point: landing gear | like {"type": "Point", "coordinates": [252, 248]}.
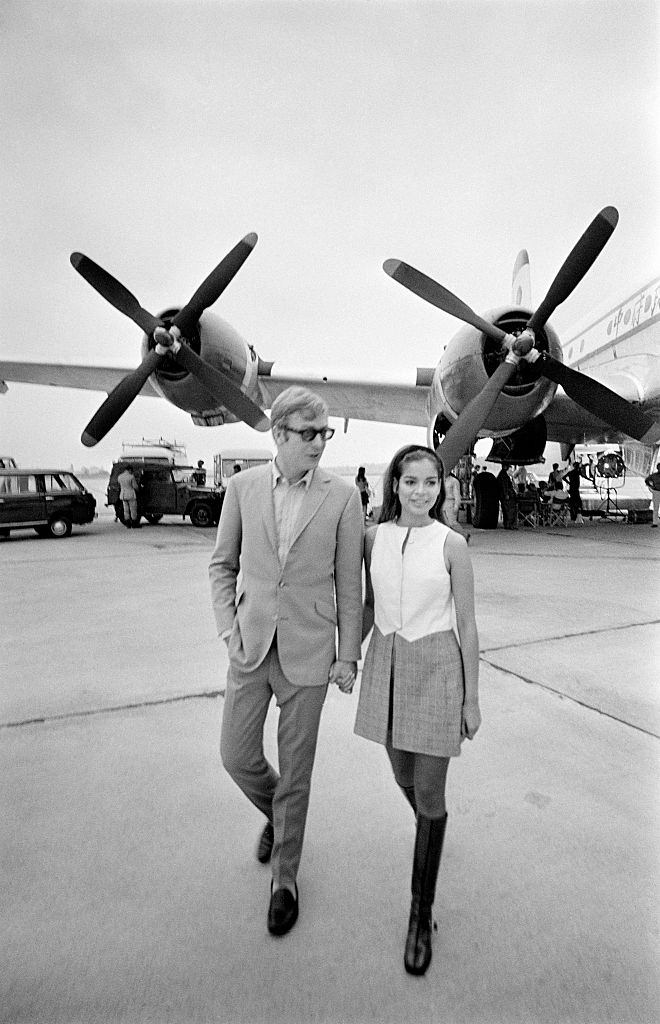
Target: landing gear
{"type": "Point", "coordinates": [486, 502]}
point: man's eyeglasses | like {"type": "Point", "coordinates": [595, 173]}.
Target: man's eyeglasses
{"type": "Point", "coordinates": [309, 433]}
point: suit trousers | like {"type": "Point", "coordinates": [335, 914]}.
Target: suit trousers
{"type": "Point", "coordinates": [282, 796]}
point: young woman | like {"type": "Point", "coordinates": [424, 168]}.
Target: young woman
{"type": "Point", "coordinates": [419, 691]}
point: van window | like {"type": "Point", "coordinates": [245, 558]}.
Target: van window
{"type": "Point", "coordinates": [228, 464]}
{"type": "Point", "coordinates": [60, 482]}
{"type": "Point", "coordinates": [23, 483]}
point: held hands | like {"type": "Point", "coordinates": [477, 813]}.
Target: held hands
{"type": "Point", "coordinates": [471, 720]}
{"type": "Point", "coordinates": [343, 673]}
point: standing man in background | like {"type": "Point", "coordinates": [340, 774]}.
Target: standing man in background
{"type": "Point", "coordinates": [294, 532]}
{"type": "Point", "coordinates": [128, 488]}
{"type": "Point", "coordinates": [507, 493]}
{"type": "Point", "coordinates": [572, 475]}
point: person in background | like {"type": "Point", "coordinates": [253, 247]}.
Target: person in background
{"type": "Point", "coordinates": [286, 586]}
{"type": "Point", "coordinates": [128, 494]}
{"type": "Point", "coordinates": [521, 479]}
{"type": "Point", "coordinates": [419, 690]}
{"type": "Point", "coordinates": [555, 478]}
{"type": "Point", "coordinates": [363, 487]}
{"type": "Point", "coordinates": [652, 481]}
{"type": "Point", "coordinates": [452, 505]}
{"type": "Point", "coordinates": [507, 493]}
{"type": "Point", "coordinates": [573, 475]}
{"type": "Point", "coordinates": [199, 474]}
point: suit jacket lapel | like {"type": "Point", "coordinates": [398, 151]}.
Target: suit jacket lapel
{"type": "Point", "coordinates": [268, 508]}
{"type": "Point", "coordinates": [314, 498]}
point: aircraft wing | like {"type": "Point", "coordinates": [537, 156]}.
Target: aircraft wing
{"type": "Point", "coordinates": [351, 394]}
{"type": "Point", "coordinates": [57, 375]}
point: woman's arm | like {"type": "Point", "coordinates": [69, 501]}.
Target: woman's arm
{"type": "Point", "coordinates": [459, 566]}
{"type": "Point", "coordinates": [368, 608]}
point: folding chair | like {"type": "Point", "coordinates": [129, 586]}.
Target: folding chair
{"type": "Point", "coordinates": [528, 512]}
{"type": "Point", "coordinates": [557, 513]}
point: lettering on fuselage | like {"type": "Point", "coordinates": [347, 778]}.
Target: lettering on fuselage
{"type": "Point", "coordinates": [615, 333]}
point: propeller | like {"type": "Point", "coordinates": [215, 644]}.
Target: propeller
{"type": "Point", "coordinates": [168, 344]}
{"type": "Point", "coordinates": [592, 396]}
{"type": "Point", "coordinates": [596, 398]}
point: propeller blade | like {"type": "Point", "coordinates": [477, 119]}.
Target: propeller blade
{"type": "Point", "coordinates": [577, 263]}
{"type": "Point", "coordinates": [598, 399]}
{"type": "Point", "coordinates": [114, 292]}
{"type": "Point", "coordinates": [434, 293]}
{"type": "Point", "coordinates": [223, 389]}
{"type": "Point", "coordinates": [119, 400]}
{"type": "Point", "coordinates": [214, 285]}
{"type": "Point", "coordinates": [463, 433]}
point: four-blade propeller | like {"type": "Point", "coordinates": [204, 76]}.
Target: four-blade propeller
{"type": "Point", "coordinates": [599, 400]}
{"type": "Point", "coordinates": [170, 343]}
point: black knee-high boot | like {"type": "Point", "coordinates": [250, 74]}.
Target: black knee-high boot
{"type": "Point", "coordinates": [428, 850]}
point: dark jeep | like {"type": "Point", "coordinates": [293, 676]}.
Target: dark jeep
{"type": "Point", "coordinates": [165, 489]}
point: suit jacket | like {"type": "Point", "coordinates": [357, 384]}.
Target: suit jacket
{"type": "Point", "coordinates": [314, 594]}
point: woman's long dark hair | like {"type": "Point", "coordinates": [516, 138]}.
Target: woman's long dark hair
{"type": "Point", "coordinates": [391, 507]}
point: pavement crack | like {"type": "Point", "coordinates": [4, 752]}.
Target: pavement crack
{"type": "Point", "coordinates": [569, 697]}
{"type": "Point", "coordinates": [568, 636]}
{"type": "Point", "coordinates": [92, 712]}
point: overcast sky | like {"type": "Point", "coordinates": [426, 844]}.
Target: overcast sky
{"type": "Point", "coordinates": [153, 135]}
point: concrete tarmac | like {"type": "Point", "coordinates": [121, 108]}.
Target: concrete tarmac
{"type": "Point", "coordinates": [131, 893]}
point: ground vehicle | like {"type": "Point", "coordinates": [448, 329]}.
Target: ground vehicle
{"type": "Point", "coordinates": [246, 458]}
{"type": "Point", "coordinates": [165, 488]}
{"type": "Point", "coordinates": [48, 500]}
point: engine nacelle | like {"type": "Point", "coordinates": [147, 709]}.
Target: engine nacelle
{"type": "Point", "coordinates": [471, 357]}
{"type": "Point", "coordinates": [220, 345]}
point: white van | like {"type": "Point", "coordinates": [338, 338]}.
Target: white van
{"type": "Point", "coordinates": [226, 461]}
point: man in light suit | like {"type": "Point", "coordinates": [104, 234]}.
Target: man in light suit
{"type": "Point", "coordinates": [286, 579]}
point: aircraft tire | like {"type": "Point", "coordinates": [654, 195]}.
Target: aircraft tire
{"type": "Point", "coordinates": [486, 502]}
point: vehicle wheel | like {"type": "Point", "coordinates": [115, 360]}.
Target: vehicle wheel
{"type": "Point", "coordinates": [201, 515]}
{"type": "Point", "coordinates": [119, 511]}
{"type": "Point", "coordinates": [59, 526]}
{"type": "Point", "coordinates": [486, 502]}
{"type": "Point", "coordinates": [151, 518]}
{"type": "Point", "coordinates": [4, 534]}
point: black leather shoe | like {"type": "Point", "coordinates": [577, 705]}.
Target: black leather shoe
{"type": "Point", "coordinates": [265, 847]}
{"type": "Point", "coordinates": [283, 911]}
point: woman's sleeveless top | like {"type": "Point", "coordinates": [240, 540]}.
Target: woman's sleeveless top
{"type": "Point", "coordinates": [412, 588]}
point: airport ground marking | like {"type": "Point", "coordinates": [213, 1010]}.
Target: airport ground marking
{"type": "Point", "coordinates": [569, 697]}
{"type": "Point", "coordinates": [112, 709]}
{"type": "Point", "coordinates": [569, 636]}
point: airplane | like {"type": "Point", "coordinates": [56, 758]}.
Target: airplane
{"type": "Point", "coordinates": [504, 375]}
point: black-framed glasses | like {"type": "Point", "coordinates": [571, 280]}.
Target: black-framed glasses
{"type": "Point", "coordinates": [309, 433]}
